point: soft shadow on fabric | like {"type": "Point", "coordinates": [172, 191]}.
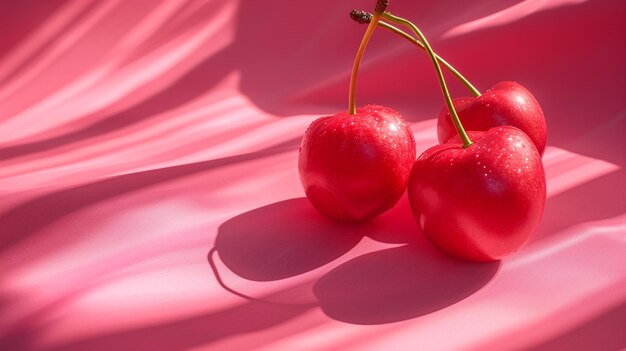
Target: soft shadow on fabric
{"type": "Point", "coordinates": [289, 238]}
{"type": "Point", "coordinates": [282, 240]}
{"type": "Point", "coordinates": [399, 284]}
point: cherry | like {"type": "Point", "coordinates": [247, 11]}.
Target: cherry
{"type": "Point", "coordinates": [482, 202]}
{"type": "Point", "coordinates": [355, 165]}
{"type": "Point", "coordinates": [477, 200]}
{"type": "Point", "coordinates": [507, 103]}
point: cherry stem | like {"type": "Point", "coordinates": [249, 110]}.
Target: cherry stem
{"type": "Point", "coordinates": [442, 82]}
{"type": "Point", "coordinates": [381, 5]}
{"type": "Point", "coordinates": [365, 17]}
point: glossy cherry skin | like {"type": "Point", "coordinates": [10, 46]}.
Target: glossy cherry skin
{"type": "Point", "coordinates": [483, 202]}
{"type": "Point", "coordinates": [506, 104]}
{"type": "Point", "coordinates": [355, 167]}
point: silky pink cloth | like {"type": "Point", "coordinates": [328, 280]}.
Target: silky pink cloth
{"type": "Point", "coordinates": [145, 144]}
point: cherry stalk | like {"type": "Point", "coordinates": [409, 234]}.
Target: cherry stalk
{"type": "Point", "coordinates": [364, 17]}
{"type": "Point", "coordinates": [506, 103]}
{"type": "Point", "coordinates": [444, 88]}
{"type": "Point", "coordinates": [381, 6]}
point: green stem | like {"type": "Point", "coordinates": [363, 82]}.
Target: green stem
{"type": "Point", "coordinates": [365, 17]}
{"type": "Point", "coordinates": [449, 67]}
{"type": "Point", "coordinates": [381, 5]}
{"type": "Point", "coordinates": [444, 88]}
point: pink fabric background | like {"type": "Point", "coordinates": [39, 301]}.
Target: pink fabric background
{"type": "Point", "coordinates": [135, 136]}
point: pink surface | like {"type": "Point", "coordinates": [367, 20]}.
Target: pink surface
{"type": "Point", "coordinates": [137, 136]}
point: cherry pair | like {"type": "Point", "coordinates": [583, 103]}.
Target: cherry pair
{"type": "Point", "coordinates": [477, 195]}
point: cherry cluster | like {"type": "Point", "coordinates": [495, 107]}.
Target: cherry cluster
{"type": "Point", "coordinates": [478, 195]}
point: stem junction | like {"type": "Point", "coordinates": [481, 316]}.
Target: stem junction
{"type": "Point", "coordinates": [364, 17]}
{"type": "Point", "coordinates": [442, 82]}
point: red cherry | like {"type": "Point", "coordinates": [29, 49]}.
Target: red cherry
{"type": "Point", "coordinates": [507, 103]}
{"type": "Point", "coordinates": [482, 202]}
{"type": "Point", "coordinates": [356, 166]}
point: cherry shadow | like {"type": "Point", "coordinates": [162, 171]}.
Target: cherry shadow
{"type": "Point", "coordinates": [283, 240]}
{"type": "Point", "coordinates": [395, 226]}
{"type": "Point", "coordinates": [288, 238]}
{"type": "Point", "coordinates": [397, 284]}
